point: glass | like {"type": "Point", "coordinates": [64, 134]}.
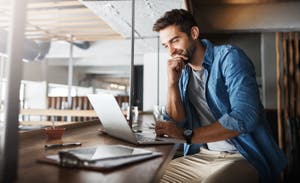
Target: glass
{"type": "Point", "coordinates": [124, 108]}
{"type": "Point", "coordinates": [158, 112]}
{"type": "Point", "coordinates": [134, 113]}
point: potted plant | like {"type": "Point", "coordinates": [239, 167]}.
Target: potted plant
{"type": "Point", "coordinates": [54, 132]}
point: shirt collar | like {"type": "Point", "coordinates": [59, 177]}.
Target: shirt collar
{"type": "Point", "coordinates": [209, 53]}
{"type": "Point", "coordinates": [208, 56]}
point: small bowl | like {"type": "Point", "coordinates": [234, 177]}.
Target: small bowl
{"type": "Point", "coordinates": [54, 133]}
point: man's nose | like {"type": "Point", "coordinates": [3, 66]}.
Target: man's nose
{"type": "Point", "coordinates": [171, 50]}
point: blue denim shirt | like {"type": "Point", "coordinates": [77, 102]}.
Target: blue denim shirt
{"type": "Point", "coordinates": [233, 97]}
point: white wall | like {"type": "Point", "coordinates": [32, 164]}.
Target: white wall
{"type": "Point", "coordinates": [59, 75]}
{"type": "Point", "coordinates": [35, 94]}
{"type": "Point", "coordinates": [33, 71]}
{"type": "Point", "coordinates": [268, 57]}
{"type": "Point", "coordinates": [41, 71]}
{"type": "Point", "coordinates": [100, 53]}
{"type": "Point", "coordinates": [151, 82]}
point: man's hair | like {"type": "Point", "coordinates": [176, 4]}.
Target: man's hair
{"type": "Point", "coordinates": [179, 17]}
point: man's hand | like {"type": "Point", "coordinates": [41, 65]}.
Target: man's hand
{"type": "Point", "coordinates": [169, 129]}
{"type": "Point", "coordinates": [175, 65]}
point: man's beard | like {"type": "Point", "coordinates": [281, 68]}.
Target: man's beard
{"type": "Point", "coordinates": [189, 52]}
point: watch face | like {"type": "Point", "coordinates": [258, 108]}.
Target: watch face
{"type": "Point", "coordinates": [188, 132]}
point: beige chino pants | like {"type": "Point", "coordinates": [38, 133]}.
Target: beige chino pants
{"type": "Point", "coordinates": [210, 167]}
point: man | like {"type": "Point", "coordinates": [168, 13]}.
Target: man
{"type": "Point", "coordinates": [213, 103]}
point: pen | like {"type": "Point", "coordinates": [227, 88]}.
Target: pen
{"type": "Point", "coordinates": [62, 145]}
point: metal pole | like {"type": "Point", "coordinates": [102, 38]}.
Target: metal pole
{"type": "Point", "coordinates": [45, 78]}
{"type": "Point", "coordinates": [10, 141]}
{"type": "Point", "coordinates": [131, 97]}
{"type": "Point", "coordinates": [2, 66]}
{"type": "Point", "coordinates": [70, 77]}
{"type": "Point", "coordinates": [158, 44]}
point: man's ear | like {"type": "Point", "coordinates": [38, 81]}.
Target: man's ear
{"type": "Point", "coordinates": [194, 32]}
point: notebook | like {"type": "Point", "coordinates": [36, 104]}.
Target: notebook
{"type": "Point", "coordinates": [115, 123]}
{"type": "Point", "coordinates": [99, 158]}
{"type": "Point", "coordinates": [103, 152]}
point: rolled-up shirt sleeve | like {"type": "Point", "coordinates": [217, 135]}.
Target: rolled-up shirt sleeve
{"type": "Point", "coordinates": [240, 82]}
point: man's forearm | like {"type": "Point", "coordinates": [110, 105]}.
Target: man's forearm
{"type": "Point", "coordinates": [211, 133]}
{"type": "Point", "coordinates": [174, 105]}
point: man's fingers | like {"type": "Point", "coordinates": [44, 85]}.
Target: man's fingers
{"type": "Point", "coordinates": [160, 128]}
{"type": "Point", "coordinates": [181, 57]}
{"type": "Point", "coordinates": [176, 64]}
{"type": "Point", "coordinates": [174, 59]}
{"type": "Point", "coordinates": [160, 132]}
{"type": "Point", "coordinates": [179, 52]}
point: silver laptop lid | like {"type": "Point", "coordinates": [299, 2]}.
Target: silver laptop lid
{"type": "Point", "coordinates": [111, 116]}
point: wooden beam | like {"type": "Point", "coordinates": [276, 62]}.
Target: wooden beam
{"type": "Point", "coordinates": [96, 38]}
{"type": "Point", "coordinates": [60, 12]}
{"type": "Point", "coordinates": [62, 31]}
{"type": "Point", "coordinates": [76, 37]}
{"type": "Point", "coordinates": [66, 21]}
{"type": "Point", "coordinates": [38, 32]}
{"type": "Point", "coordinates": [62, 18]}
{"type": "Point", "coordinates": [46, 27]}
{"type": "Point", "coordinates": [54, 4]}
{"type": "Point", "coordinates": [55, 20]}
{"type": "Point", "coordinates": [66, 24]}
{"type": "Point", "coordinates": [73, 29]}
{"type": "Point", "coordinates": [44, 123]}
{"type": "Point", "coordinates": [58, 112]}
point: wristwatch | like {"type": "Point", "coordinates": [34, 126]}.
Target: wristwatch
{"type": "Point", "coordinates": [188, 133]}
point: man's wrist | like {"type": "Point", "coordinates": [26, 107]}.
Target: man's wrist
{"type": "Point", "coordinates": [188, 134]}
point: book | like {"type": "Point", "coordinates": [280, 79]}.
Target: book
{"type": "Point", "coordinates": [99, 158]}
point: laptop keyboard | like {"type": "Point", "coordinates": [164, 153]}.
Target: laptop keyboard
{"type": "Point", "coordinates": [142, 138]}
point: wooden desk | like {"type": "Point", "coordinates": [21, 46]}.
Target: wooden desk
{"type": "Point", "coordinates": [32, 147]}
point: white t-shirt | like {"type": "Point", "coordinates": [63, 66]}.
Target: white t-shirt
{"type": "Point", "coordinates": [197, 88]}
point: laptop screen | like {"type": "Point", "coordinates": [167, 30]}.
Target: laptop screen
{"type": "Point", "coordinates": [111, 116]}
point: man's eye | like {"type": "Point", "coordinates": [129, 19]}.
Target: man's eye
{"type": "Point", "coordinates": [174, 40]}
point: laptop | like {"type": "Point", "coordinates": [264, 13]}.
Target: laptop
{"type": "Point", "coordinates": [115, 123]}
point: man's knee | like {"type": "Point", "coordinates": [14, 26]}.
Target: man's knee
{"type": "Point", "coordinates": [235, 172]}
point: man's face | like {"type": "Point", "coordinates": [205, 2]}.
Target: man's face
{"type": "Point", "coordinates": [177, 42]}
